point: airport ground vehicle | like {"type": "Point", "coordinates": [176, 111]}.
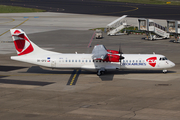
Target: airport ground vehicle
{"type": "Point", "coordinates": [99, 34]}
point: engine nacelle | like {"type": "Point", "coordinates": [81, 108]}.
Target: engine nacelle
{"type": "Point", "coordinates": [113, 51]}
{"type": "Point", "coordinates": [112, 58]}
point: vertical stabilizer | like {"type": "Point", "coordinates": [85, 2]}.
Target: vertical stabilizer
{"type": "Point", "coordinates": [23, 44]}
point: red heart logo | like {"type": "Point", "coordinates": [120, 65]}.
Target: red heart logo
{"type": "Point", "coordinates": [23, 45]}
{"type": "Point", "coordinates": [19, 44]}
{"type": "Point", "coordinates": [152, 61]}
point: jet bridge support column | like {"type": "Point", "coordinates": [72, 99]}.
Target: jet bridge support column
{"type": "Point", "coordinates": [147, 34]}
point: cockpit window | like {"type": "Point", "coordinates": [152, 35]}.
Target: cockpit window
{"type": "Point", "coordinates": [163, 58]}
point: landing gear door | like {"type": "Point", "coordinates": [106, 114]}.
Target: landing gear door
{"type": "Point", "coordinates": [53, 63]}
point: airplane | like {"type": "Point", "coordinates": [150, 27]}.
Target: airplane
{"type": "Point", "coordinates": [100, 60]}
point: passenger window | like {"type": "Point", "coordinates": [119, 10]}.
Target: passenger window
{"type": "Point", "coordinates": [123, 61]}
{"type": "Point", "coordinates": [89, 60]}
{"type": "Point", "coordinates": [75, 60]}
{"type": "Point", "coordinates": [72, 60]}
{"type": "Point", "coordinates": [82, 60]}
{"type": "Point", "coordinates": [129, 60]}
{"type": "Point", "coordinates": [69, 60]}
{"type": "Point", "coordinates": [137, 61]}
{"type": "Point", "coordinates": [79, 60]}
{"type": "Point", "coordinates": [62, 60]}
{"type": "Point", "coordinates": [133, 61]}
{"type": "Point", "coordinates": [66, 60]}
{"type": "Point", "coordinates": [126, 60]}
{"type": "Point", "coordinates": [140, 61]}
{"type": "Point", "coordinates": [86, 60]}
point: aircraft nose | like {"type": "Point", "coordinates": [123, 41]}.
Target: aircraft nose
{"type": "Point", "coordinates": [172, 64]}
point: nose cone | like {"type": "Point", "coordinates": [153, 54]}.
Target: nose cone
{"type": "Point", "coordinates": [171, 64]}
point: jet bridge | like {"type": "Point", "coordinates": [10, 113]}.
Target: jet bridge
{"type": "Point", "coordinates": [153, 30]}
{"type": "Point", "coordinates": [114, 27]}
{"type": "Point", "coordinates": [173, 27]}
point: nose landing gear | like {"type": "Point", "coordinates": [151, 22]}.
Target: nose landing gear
{"type": "Point", "coordinates": [164, 71]}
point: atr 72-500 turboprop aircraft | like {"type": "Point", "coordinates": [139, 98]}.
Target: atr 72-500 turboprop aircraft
{"type": "Point", "coordinates": [100, 59]}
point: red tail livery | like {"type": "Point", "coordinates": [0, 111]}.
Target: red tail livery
{"type": "Point", "coordinates": [22, 44]}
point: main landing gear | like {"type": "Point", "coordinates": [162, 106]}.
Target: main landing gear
{"type": "Point", "coordinates": [100, 72]}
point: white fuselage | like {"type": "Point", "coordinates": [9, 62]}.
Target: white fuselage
{"type": "Point", "coordinates": [85, 61]}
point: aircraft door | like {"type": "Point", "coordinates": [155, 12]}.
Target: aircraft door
{"type": "Point", "coordinates": [158, 63]}
{"type": "Point", "coordinates": [53, 63]}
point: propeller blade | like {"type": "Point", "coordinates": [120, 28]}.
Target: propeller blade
{"type": "Point", "coordinates": [120, 51]}
{"type": "Point", "coordinates": [121, 57]}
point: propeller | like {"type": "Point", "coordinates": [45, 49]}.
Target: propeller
{"type": "Point", "coordinates": [120, 52]}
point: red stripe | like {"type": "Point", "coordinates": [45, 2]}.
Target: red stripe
{"type": "Point", "coordinates": [91, 40]}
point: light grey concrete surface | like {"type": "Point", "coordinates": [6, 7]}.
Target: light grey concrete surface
{"type": "Point", "coordinates": [61, 21]}
{"type": "Point", "coordinates": [119, 95]}
{"type": "Point", "coordinates": [47, 21]}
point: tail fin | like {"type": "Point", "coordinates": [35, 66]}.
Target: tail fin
{"type": "Point", "coordinates": [22, 43]}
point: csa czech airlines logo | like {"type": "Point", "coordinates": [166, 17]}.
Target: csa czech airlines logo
{"type": "Point", "coordinates": [152, 61]}
{"type": "Point", "coordinates": [22, 44]}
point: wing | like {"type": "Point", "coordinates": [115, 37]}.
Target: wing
{"type": "Point", "coordinates": [99, 52]}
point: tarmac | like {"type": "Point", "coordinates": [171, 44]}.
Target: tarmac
{"type": "Point", "coordinates": [32, 92]}
{"type": "Point", "coordinates": [105, 8]}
